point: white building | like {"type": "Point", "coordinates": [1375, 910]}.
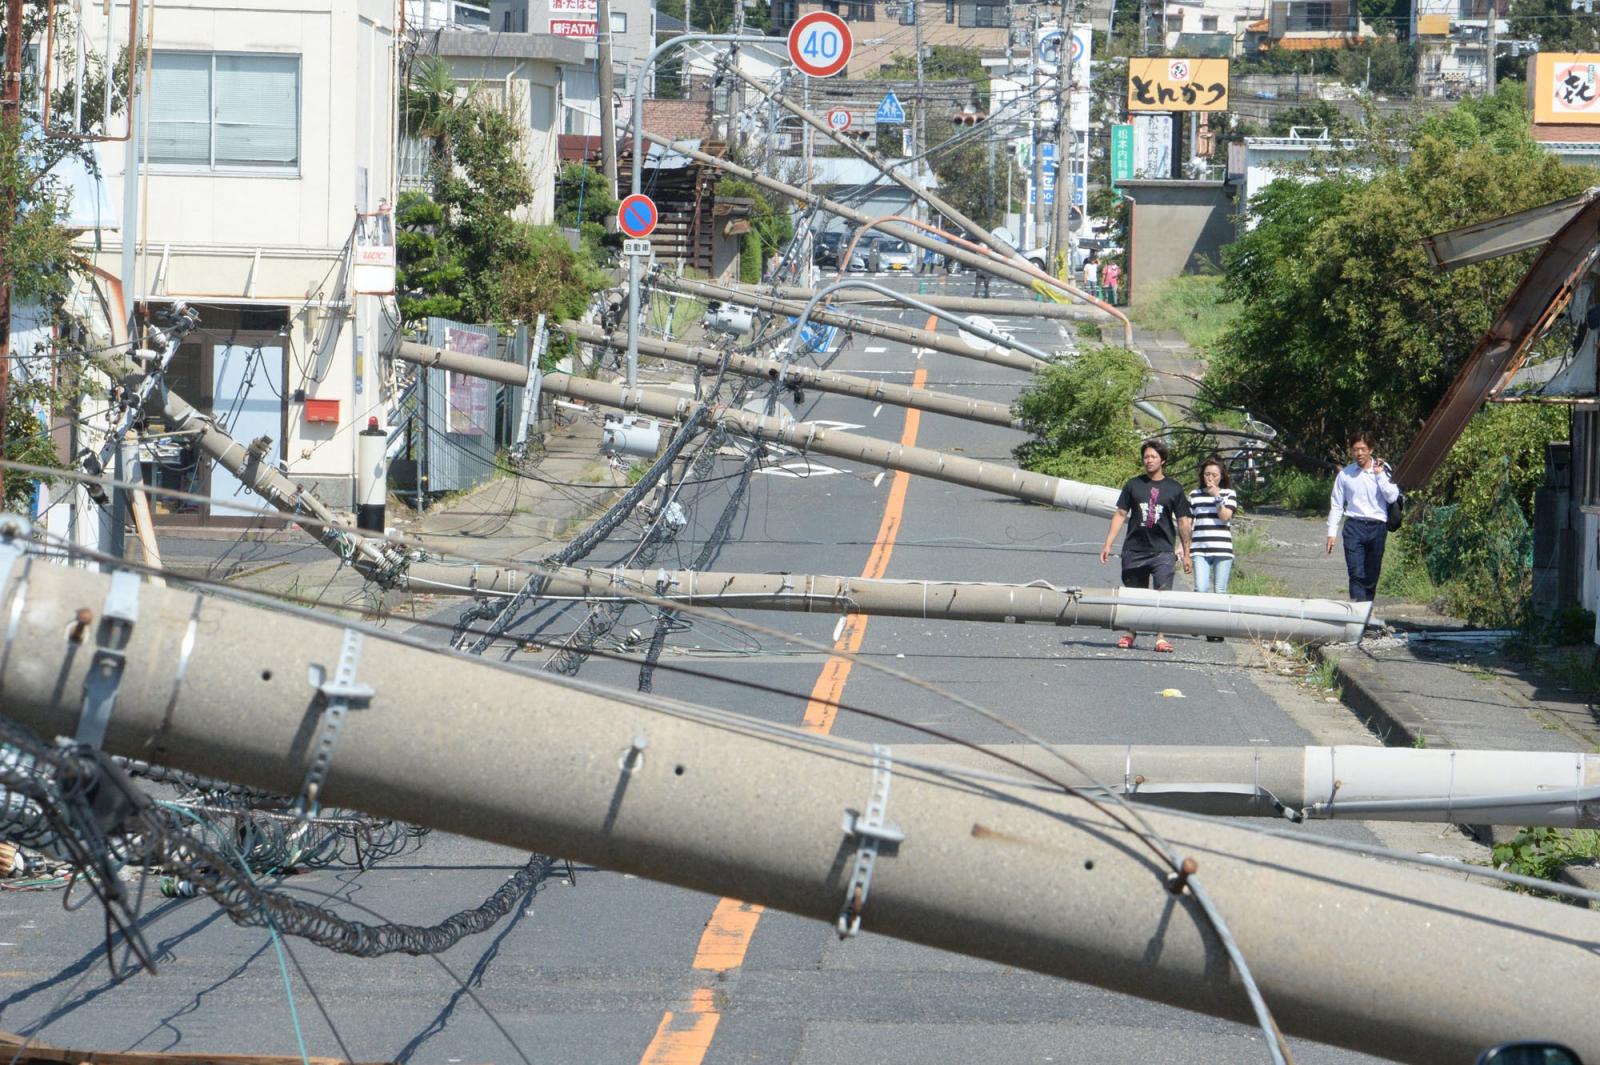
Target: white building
{"type": "Point", "coordinates": [270, 126]}
{"type": "Point", "coordinates": [524, 73]}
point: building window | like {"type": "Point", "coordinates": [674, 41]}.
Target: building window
{"type": "Point", "coordinates": [619, 22]}
{"type": "Point", "coordinates": [223, 111]}
{"type": "Point", "coordinates": [1208, 24]}
{"type": "Point", "coordinates": [949, 10]}
{"type": "Point", "coordinates": [974, 15]}
{"type": "Point", "coordinates": [831, 6]}
{"type": "Point", "coordinates": [862, 11]}
{"type": "Point", "coordinates": [1175, 23]}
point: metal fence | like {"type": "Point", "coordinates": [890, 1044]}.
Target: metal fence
{"type": "Point", "coordinates": [462, 423]}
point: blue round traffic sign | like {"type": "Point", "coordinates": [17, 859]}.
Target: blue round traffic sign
{"type": "Point", "coordinates": [637, 215]}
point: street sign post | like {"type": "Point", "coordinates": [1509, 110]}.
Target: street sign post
{"type": "Point", "coordinates": [820, 44]}
{"type": "Point", "coordinates": [838, 119]}
{"type": "Point", "coordinates": [637, 216]}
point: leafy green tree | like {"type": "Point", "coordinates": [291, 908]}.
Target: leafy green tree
{"type": "Point", "coordinates": [770, 227]}
{"type": "Point", "coordinates": [1555, 25]}
{"type": "Point", "coordinates": [1079, 417]}
{"type": "Point", "coordinates": [462, 250]}
{"type": "Point", "coordinates": [971, 174]}
{"type": "Point", "coordinates": [1383, 66]}
{"type": "Point", "coordinates": [1337, 295]}
{"type": "Point", "coordinates": [942, 62]}
{"type": "Point", "coordinates": [584, 202]}
{"type": "Point", "coordinates": [1316, 114]}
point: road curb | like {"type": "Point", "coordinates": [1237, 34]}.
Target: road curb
{"type": "Point", "coordinates": [1387, 712]}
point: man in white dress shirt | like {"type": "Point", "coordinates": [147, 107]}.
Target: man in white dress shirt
{"type": "Point", "coordinates": [1361, 496]}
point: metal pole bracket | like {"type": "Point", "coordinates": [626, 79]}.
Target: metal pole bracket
{"type": "Point", "coordinates": [873, 832]}
{"type": "Point", "coordinates": [117, 618]}
{"type": "Point", "coordinates": [341, 694]}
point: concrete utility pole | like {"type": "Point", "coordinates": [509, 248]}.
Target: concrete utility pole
{"type": "Point", "coordinates": [799, 376]}
{"type": "Point", "coordinates": [965, 304]}
{"type": "Point", "coordinates": [1371, 956]}
{"type": "Point", "coordinates": [1460, 787]}
{"type": "Point", "coordinates": [805, 436]}
{"type": "Point", "coordinates": [952, 215]}
{"type": "Point", "coordinates": [989, 264]}
{"type": "Point", "coordinates": [1255, 617]}
{"type": "Point", "coordinates": [1040, 233]}
{"type": "Point", "coordinates": [925, 338]}
{"type": "Point", "coordinates": [11, 121]}
{"type": "Point", "coordinates": [608, 109]}
{"type": "Point", "coordinates": [1489, 51]}
{"type": "Point", "coordinates": [638, 162]}
{"type": "Point", "coordinates": [1061, 234]}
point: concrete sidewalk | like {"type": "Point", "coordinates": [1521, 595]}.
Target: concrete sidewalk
{"type": "Point", "coordinates": [511, 516]}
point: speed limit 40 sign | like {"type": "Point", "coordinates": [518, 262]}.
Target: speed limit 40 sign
{"type": "Point", "coordinates": [820, 44]}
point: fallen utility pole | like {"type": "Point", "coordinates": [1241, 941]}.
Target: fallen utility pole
{"type": "Point", "coordinates": [951, 213]}
{"type": "Point", "coordinates": [990, 264]}
{"type": "Point", "coordinates": [1461, 787]}
{"type": "Point", "coordinates": [1371, 956]}
{"type": "Point", "coordinates": [1254, 617]}
{"type": "Point", "coordinates": [964, 304]}
{"type": "Point", "coordinates": [797, 376]}
{"type": "Point", "coordinates": [804, 436]}
{"type": "Point", "coordinates": [925, 338]}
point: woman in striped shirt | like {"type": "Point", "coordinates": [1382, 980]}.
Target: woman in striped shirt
{"type": "Point", "coordinates": [1213, 504]}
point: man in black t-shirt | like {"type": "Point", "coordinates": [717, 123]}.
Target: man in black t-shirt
{"type": "Point", "coordinates": [1158, 535]}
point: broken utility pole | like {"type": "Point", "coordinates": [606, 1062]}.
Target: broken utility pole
{"type": "Point", "coordinates": [1366, 955]}
{"type": "Point", "coordinates": [804, 436]}
{"type": "Point", "coordinates": [796, 375]}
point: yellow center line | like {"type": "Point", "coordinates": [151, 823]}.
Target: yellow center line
{"type": "Point", "coordinates": [684, 1036]}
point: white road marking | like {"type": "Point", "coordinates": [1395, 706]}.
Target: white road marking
{"type": "Point", "coordinates": [876, 351]}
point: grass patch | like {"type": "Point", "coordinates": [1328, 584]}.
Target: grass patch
{"type": "Point", "coordinates": [1088, 330]}
{"type": "Point", "coordinates": [1578, 672]}
{"type": "Point", "coordinates": [1297, 491]}
{"type": "Point", "coordinates": [1404, 576]}
{"type": "Point", "coordinates": [1544, 852]}
{"type": "Point", "coordinates": [1192, 306]}
{"type": "Point", "coordinates": [1253, 582]}
{"type": "Point", "coordinates": [1247, 541]}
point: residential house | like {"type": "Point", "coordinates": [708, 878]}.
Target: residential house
{"type": "Point", "coordinates": [633, 35]}
{"type": "Point", "coordinates": [1306, 25]}
{"type": "Point", "coordinates": [270, 128]}
{"type": "Point", "coordinates": [522, 73]}
{"type": "Point", "coordinates": [1452, 44]}
{"type": "Point", "coordinates": [1202, 29]}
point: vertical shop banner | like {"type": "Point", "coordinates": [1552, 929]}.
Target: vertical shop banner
{"type": "Point", "coordinates": [471, 399]}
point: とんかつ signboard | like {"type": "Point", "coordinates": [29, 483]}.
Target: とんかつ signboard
{"type": "Point", "coordinates": [1167, 84]}
{"type": "Point", "coordinates": [637, 215]}
{"type": "Point", "coordinates": [820, 44]}
{"type": "Point", "coordinates": [1566, 89]}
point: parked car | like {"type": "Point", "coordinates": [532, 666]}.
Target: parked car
{"type": "Point", "coordinates": [861, 257]}
{"type": "Point", "coordinates": [826, 248]}
{"type": "Point", "coordinates": [893, 254]}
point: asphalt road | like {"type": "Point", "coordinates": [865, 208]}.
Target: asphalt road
{"type": "Point", "coordinates": [587, 971]}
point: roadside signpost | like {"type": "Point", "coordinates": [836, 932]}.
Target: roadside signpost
{"type": "Point", "coordinates": [637, 216]}
{"type": "Point", "coordinates": [838, 119]}
{"type": "Point", "coordinates": [820, 44]}
{"type": "Point", "coordinates": [890, 111]}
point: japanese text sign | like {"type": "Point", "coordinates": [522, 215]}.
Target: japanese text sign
{"type": "Point", "coordinates": [1168, 84]}
{"type": "Point", "coordinates": [1566, 89]}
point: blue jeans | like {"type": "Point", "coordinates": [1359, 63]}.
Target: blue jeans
{"type": "Point", "coordinates": [1364, 540]}
{"type": "Point", "coordinates": [1211, 573]}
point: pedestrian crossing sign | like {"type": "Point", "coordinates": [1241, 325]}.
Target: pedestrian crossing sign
{"type": "Point", "coordinates": [890, 111]}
